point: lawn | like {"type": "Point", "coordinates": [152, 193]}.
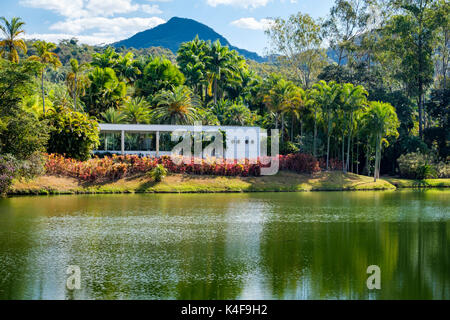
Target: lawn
{"type": "Point", "coordinates": [178, 183]}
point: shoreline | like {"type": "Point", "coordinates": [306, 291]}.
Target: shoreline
{"type": "Point", "coordinates": [177, 183]}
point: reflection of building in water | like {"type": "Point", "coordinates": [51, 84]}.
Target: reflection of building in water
{"type": "Point", "coordinates": [156, 140]}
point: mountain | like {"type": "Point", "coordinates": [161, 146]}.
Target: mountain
{"type": "Point", "coordinates": [174, 32]}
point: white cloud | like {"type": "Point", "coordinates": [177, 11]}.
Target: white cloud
{"type": "Point", "coordinates": [56, 37]}
{"type": "Point", "coordinates": [94, 21]}
{"type": "Point", "coordinates": [239, 3]}
{"type": "Point", "coordinates": [111, 7]}
{"type": "Point", "coordinates": [151, 9]}
{"type": "Point", "coordinates": [107, 28]}
{"type": "Point", "coordinates": [67, 8]}
{"type": "Point", "coordinates": [252, 23]}
{"type": "Point", "coordinates": [90, 8]}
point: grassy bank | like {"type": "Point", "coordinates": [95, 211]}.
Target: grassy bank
{"type": "Point", "coordinates": [410, 183]}
{"type": "Point", "coordinates": [178, 183]}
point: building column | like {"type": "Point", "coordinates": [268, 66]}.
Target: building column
{"type": "Point", "coordinates": [157, 143]}
{"type": "Point", "coordinates": [122, 142]}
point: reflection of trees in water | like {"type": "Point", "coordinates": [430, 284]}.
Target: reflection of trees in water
{"type": "Point", "coordinates": [329, 260]}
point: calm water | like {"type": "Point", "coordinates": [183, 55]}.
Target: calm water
{"type": "Point", "coordinates": [227, 246]}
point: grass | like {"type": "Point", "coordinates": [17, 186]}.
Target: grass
{"type": "Point", "coordinates": [411, 183]}
{"type": "Point", "coordinates": [178, 183]}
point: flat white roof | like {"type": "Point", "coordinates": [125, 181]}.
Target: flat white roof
{"type": "Point", "coordinates": [164, 127]}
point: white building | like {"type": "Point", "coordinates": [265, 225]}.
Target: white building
{"type": "Point", "coordinates": [156, 140]}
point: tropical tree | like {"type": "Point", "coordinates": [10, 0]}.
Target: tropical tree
{"type": "Point", "coordinates": [295, 105]}
{"type": "Point", "coordinates": [10, 45]}
{"type": "Point", "coordinates": [327, 95]}
{"type": "Point", "coordinates": [276, 98]}
{"type": "Point", "coordinates": [353, 98]}
{"type": "Point", "coordinates": [136, 111]}
{"type": "Point", "coordinates": [192, 57]}
{"type": "Point", "coordinates": [76, 82]}
{"type": "Point", "coordinates": [382, 121]}
{"type": "Point", "coordinates": [219, 65]}
{"type": "Point", "coordinates": [46, 57]}
{"type": "Point", "coordinates": [411, 35]}
{"type": "Point", "coordinates": [126, 69]}
{"type": "Point", "coordinates": [177, 106]}
{"type": "Point", "coordinates": [112, 115]}
{"type": "Point", "coordinates": [105, 90]}
{"type": "Point", "coordinates": [238, 114]}
{"type": "Point", "coordinates": [159, 74]}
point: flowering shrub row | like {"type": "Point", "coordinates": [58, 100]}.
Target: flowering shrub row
{"type": "Point", "coordinates": [118, 166]}
{"type": "Point", "coordinates": [7, 173]}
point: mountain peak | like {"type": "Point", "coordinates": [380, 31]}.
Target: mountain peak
{"type": "Point", "coordinates": [177, 30]}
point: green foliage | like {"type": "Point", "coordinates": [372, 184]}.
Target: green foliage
{"type": "Point", "coordinates": [105, 91]}
{"type": "Point", "coordinates": [176, 107]}
{"type": "Point", "coordinates": [22, 135]}
{"type": "Point", "coordinates": [72, 134]}
{"type": "Point", "coordinates": [158, 173]}
{"type": "Point", "coordinates": [136, 111]}
{"type": "Point", "coordinates": [416, 165]}
{"type": "Point", "coordinates": [159, 74]}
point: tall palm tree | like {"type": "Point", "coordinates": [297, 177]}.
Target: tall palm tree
{"type": "Point", "coordinates": [327, 95]}
{"type": "Point", "coordinates": [296, 102]}
{"type": "Point", "coordinates": [126, 68]}
{"type": "Point", "coordinates": [353, 99]}
{"type": "Point", "coordinates": [277, 98]}
{"type": "Point", "coordinates": [47, 58]}
{"type": "Point", "coordinates": [382, 121]}
{"type": "Point", "coordinates": [76, 83]}
{"type": "Point", "coordinates": [11, 45]}
{"type": "Point", "coordinates": [136, 111]}
{"type": "Point", "coordinates": [219, 65]}
{"type": "Point", "coordinates": [192, 57]}
{"type": "Point", "coordinates": [176, 107]}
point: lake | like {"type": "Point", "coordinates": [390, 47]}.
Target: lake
{"type": "Point", "coordinates": [314, 245]}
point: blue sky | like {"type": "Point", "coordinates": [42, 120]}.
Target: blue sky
{"type": "Point", "coordinates": [242, 22]}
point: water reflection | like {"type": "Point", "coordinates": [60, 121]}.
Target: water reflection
{"type": "Point", "coordinates": [233, 246]}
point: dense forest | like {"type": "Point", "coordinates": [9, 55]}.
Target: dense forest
{"type": "Point", "coordinates": [365, 88]}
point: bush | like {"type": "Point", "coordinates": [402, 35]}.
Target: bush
{"type": "Point", "coordinates": [72, 134]}
{"type": "Point", "coordinates": [416, 165]}
{"type": "Point", "coordinates": [300, 163]}
{"type": "Point", "coordinates": [116, 167]}
{"type": "Point", "coordinates": [158, 173]}
{"type": "Point", "coordinates": [7, 173]}
{"type": "Point", "coordinates": [22, 135]}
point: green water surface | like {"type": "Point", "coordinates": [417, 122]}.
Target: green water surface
{"type": "Point", "coordinates": [314, 245]}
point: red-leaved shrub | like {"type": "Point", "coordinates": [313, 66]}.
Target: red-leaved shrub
{"type": "Point", "coordinates": [119, 166]}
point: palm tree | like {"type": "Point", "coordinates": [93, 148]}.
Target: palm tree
{"type": "Point", "coordinates": [127, 69]}
{"type": "Point", "coordinates": [46, 57]}
{"type": "Point", "coordinates": [219, 65]}
{"type": "Point", "coordinates": [192, 57]}
{"type": "Point", "coordinates": [382, 121]}
{"type": "Point", "coordinates": [112, 115]}
{"type": "Point", "coordinates": [326, 95]}
{"type": "Point", "coordinates": [136, 111]}
{"type": "Point", "coordinates": [176, 106]}
{"type": "Point", "coordinates": [11, 45]}
{"type": "Point", "coordinates": [76, 83]}
{"type": "Point", "coordinates": [276, 98]}
{"type": "Point", "coordinates": [353, 99]}
{"type": "Point", "coordinates": [105, 91]}
{"type": "Point", "coordinates": [294, 106]}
